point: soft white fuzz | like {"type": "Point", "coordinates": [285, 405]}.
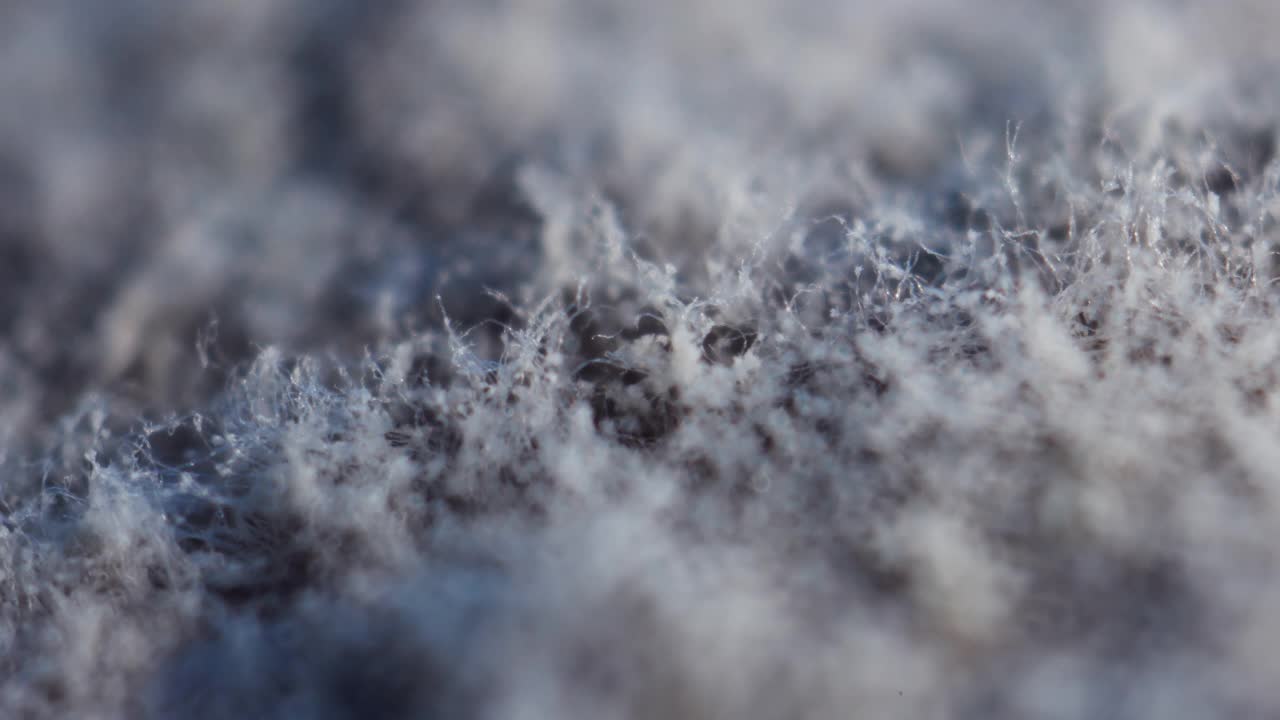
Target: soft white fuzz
{"type": "Point", "coordinates": [613, 359]}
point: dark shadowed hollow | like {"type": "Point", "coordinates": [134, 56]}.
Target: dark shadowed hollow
{"type": "Point", "coordinates": [602, 359]}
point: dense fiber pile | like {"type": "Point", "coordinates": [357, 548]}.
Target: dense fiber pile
{"type": "Point", "coordinates": [665, 359]}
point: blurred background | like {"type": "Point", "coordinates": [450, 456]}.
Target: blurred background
{"type": "Point", "coordinates": [312, 174]}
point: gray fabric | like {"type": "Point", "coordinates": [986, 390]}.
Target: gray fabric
{"type": "Point", "coordinates": [664, 359]}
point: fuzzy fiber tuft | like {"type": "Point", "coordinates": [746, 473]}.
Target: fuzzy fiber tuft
{"type": "Point", "coordinates": [668, 359]}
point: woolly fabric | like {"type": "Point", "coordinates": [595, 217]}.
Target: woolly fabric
{"type": "Point", "coordinates": [610, 359]}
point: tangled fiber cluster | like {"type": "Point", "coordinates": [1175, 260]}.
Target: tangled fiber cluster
{"type": "Point", "coordinates": [665, 359]}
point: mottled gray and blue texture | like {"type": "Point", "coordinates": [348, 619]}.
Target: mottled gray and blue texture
{"type": "Point", "coordinates": [610, 359]}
